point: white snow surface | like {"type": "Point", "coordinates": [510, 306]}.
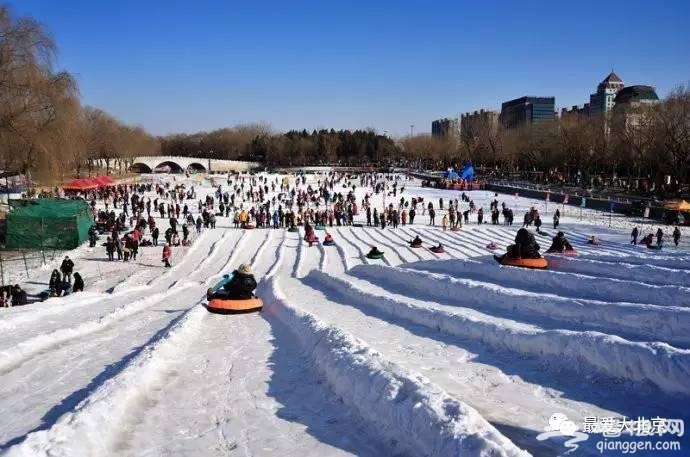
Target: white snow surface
{"type": "Point", "coordinates": [417, 354]}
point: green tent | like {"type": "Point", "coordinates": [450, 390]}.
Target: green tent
{"type": "Point", "coordinates": [48, 223]}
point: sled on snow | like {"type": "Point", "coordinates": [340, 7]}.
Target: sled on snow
{"type": "Point", "coordinates": [536, 264]}
{"type": "Point", "coordinates": [564, 252]}
{"type": "Point", "coordinates": [234, 306]}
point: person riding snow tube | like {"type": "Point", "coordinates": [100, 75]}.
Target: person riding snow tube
{"type": "Point", "coordinates": [594, 240]}
{"type": "Point", "coordinates": [524, 253]}
{"type": "Point", "coordinates": [237, 294]}
{"type": "Point", "coordinates": [328, 240]}
{"type": "Point", "coordinates": [211, 290]}
{"type": "Point", "coordinates": [492, 246]}
{"type": "Point", "coordinates": [437, 249]}
{"type": "Point", "coordinates": [417, 242]}
{"type": "Point", "coordinates": [649, 239]}
{"type": "Point", "coordinates": [375, 253]}
{"type": "Point", "coordinates": [560, 245]}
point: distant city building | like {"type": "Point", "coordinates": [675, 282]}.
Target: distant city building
{"type": "Point", "coordinates": [630, 104]}
{"type": "Point", "coordinates": [637, 95]}
{"type": "Point", "coordinates": [473, 124]}
{"type": "Point", "coordinates": [603, 101]}
{"type": "Point", "coordinates": [527, 110]}
{"type": "Point", "coordinates": [445, 128]}
{"type": "Point", "coordinates": [576, 112]}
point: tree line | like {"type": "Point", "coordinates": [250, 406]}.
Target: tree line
{"type": "Point", "coordinates": [649, 141]}
{"type": "Point", "coordinates": [293, 148]}
{"type": "Point", "coordinates": [44, 129]}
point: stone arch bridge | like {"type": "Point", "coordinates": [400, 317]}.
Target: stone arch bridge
{"type": "Point", "coordinates": [148, 164]}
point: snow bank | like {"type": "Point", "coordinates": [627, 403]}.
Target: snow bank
{"type": "Point", "coordinates": [52, 306]}
{"type": "Point", "coordinates": [670, 324]}
{"type": "Point", "coordinates": [634, 258]}
{"type": "Point", "coordinates": [91, 429]}
{"type": "Point", "coordinates": [656, 363]}
{"type": "Point", "coordinates": [406, 409]}
{"type": "Point", "coordinates": [649, 274]}
{"type": "Point", "coordinates": [569, 284]}
{"type": "Point", "coordinates": [19, 352]}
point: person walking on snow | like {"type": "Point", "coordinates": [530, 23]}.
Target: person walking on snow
{"type": "Point", "coordinates": [634, 235]}
{"type": "Point", "coordinates": [444, 222]}
{"type": "Point", "coordinates": [676, 235]}
{"type": "Point", "coordinates": [167, 255]}
{"type": "Point", "coordinates": [66, 269]}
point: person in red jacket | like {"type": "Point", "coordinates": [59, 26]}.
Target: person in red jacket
{"type": "Point", "coordinates": [167, 254]}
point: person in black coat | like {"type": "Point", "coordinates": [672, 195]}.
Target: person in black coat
{"type": "Point", "coordinates": [55, 284]}
{"type": "Point", "coordinates": [154, 235]}
{"type": "Point", "coordinates": [560, 243]}
{"type": "Point", "coordinates": [66, 269]}
{"type": "Point", "coordinates": [525, 246]}
{"type": "Point", "coordinates": [78, 283]}
{"type": "Point", "coordinates": [240, 287]}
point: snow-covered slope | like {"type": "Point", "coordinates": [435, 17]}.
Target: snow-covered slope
{"type": "Point", "coordinates": [415, 354]}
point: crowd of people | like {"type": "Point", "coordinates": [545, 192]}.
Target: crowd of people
{"type": "Point", "coordinates": [132, 216]}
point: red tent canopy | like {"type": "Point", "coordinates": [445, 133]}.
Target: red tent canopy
{"type": "Point", "coordinates": [102, 181]}
{"type": "Point", "coordinates": [81, 184]}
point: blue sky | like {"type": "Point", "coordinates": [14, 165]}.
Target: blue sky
{"type": "Point", "coordinates": [184, 66]}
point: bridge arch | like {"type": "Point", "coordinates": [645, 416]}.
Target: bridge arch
{"type": "Point", "coordinates": [196, 167]}
{"type": "Point", "coordinates": [140, 167]}
{"type": "Point", "coordinates": [174, 166]}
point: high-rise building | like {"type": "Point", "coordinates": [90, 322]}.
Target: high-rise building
{"type": "Point", "coordinates": [630, 105]}
{"type": "Point", "coordinates": [527, 110]}
{"type": "Point", "coordinates": [575, 113]}
{"type": "Point", "coordinates": [445, 127]}
{"type": "Point", "coordinates": [603, 101]}
{"type": "Point", "coordinates": [473, 125]}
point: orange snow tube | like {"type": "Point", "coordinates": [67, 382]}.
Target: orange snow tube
{"type": "Point", "coordinates": [229, 306]}
{"type": "Point", "coordinates": [538, 264]}
{"type": "Point", "coordinates": [564, 252]}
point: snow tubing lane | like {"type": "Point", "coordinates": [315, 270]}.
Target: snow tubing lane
{"type": "Point", "coordinates": [538, 264]}
{"type": "Point", "coordinates": [375, 256]}
{"type": "Point", "coordinates": [566, 252]}
{"type": "Point", "coordinates": [221, 306]}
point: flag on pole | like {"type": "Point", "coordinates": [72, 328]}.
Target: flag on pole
{"type": "Point", "coordinates": [565, 199]}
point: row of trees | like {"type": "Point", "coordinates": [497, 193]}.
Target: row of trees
{"type": "Point", "coordinates": [294, 148]}
{"type": "Point", "coordinates": [44, 130]}
{"type": "Point", "coordinates": [637, 140]}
